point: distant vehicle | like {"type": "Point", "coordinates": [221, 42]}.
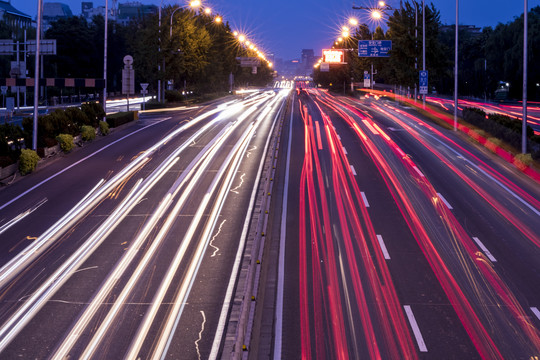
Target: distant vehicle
{"type": "Point", "coordinates": [502, 91]}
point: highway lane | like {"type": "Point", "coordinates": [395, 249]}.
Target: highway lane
{"type": "Point", "coordinates": [202, 175]}
{"type": "Point", "coordinates": [425, 221]}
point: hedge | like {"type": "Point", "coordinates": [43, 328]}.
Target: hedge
{"type": "Point", "coordinates": [121, 118]}
{"type": "Point", "coordinates": [503, 127]}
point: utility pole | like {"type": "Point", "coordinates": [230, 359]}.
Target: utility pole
{"type": "Point", "coordinates": [36, 75]}
{"type": "Point", "coordinates": [525, 43]}
{"type": "Point", "coordinates": [105, 59]}
{"type": "Point", "coordinates": [424, 44]}
{"type": "Point", "coordinates": [456, 67]}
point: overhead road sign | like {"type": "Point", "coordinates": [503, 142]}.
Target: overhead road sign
{"type": "Point", "coordinates": [325, 67]}
{"type": "Point", "coordinates": [374, 48]}
{"type": "Point", "coordinates": [249, 61]}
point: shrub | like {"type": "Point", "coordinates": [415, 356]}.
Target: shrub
{"type": "Point", "coordinates": [120, 118]}
{"type": "Point", "coordinates": [78, 116]}
{"type": "Point", "coordinates": [10, 146]}
{"type": "Point", "coordinates": [154, 104]}
{"type": "Point", "coordinates": [173, 96]}
{"type": "Point", "coordinates": [104, 128]}
{"type": "Point", "coordinates": [66, 142]}
{"type": "Point", "coordinates": [88, 133]}
{"type": "Point", "coordinates": [522, 161]}
{"type": "Point", "coordinates": [28, 161]}
{"type": "Point", "coordinates": [94, 112]}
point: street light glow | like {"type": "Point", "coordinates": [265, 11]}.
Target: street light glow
{"type": "Point", "coordinates": [218, 19]}
{"type": "Point", "coordinates": [345, 34]}
{"type": "Point", "coordinates": [241, 38]}
{"type": "Point", "coordinates": [353, 21]}
{"type": "Point", "coordinates": [376, 14]}
{"type": "Point", "coordinates": [382, 4]}
{"type": "Point", "coordinates": [345, 28]}
{"type": "Point", "coordinates": [235, 33]}
{"type": "Point", "coordinates": [195, 3]}
{"type": "Point", "coordinates": [207, 11]}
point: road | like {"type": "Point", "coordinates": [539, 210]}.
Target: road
{"type": "Point", "coordinates": [385, 236]}
{"type": "Point", "coordinates": [135, 265]}
{"type": "Point", "coordinates": [410, 241]}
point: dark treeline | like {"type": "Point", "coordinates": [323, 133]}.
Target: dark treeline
{"type": "Point", "coordinates": [199, 55]}
{"type": "Point", "coordinates": [487, 57]}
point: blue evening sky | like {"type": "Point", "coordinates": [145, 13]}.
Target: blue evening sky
{"type": "Point", "coordinates": [285, 27]}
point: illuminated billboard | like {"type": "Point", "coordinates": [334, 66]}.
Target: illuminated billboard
{"type": "Point", "coordinates": [334, 56]}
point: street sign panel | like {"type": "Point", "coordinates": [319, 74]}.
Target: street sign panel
{"type": "Point", "coordinates": [325, 67]}
{"type": "Point", "coordinates": [423, 82]}
{"type": "Point", "coordinates": [249, 61]}
{"type": "Point", "coordinates": [374, 48]}
{"type": "Point", "coordinates": [128, 81]}
{"type": "Point", "coordinates": [367, 79]}
{"type": "Point", "coordinates": [144, 86]}
{"type": "Point", "coordinates": [46, 47]}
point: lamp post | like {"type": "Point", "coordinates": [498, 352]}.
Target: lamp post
{"type": "Point", "coordinates": [36, 75]}
{"type": "Point", "coordinates": [376, 14]}
{"type": "Point", "coordinates": [456, 67]}
{"type": "Point", "coordinates": [105, 60]}
{"type": "Point", "coordinates": [524, 123]}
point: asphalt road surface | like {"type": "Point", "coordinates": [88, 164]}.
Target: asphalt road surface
{"type": "Point", "coordinates": [385, 236]}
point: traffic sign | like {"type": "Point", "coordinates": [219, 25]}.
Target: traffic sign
{"type": "Point", "coordinates": [4, 89]}
{"type": "Point", "coordinates": [325, 67]}
{"type": "Point", "coordinates": [367, 79]}
{"type": "Point", "coordinates": [374, 48]}
{"type": "Point", "coordinates": [144, 86]}
{"type": "Point", "coordinates": [423, 82]}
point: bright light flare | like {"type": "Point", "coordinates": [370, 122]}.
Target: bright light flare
{"type": "Point", "coordinates": [376, 14]}
{"type": "Point", "coordinates": [195, 3]}
{"type": "Point", "coordinates": [353, 21]}
{"type": "Point", "coordinates": [207, 11]}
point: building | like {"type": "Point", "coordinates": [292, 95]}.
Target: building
{"type": "Point", "coordinates": [134, 10]}
{"type": "Point", "coordinates": [53, 11]}
{"type": "Point", "coordinates": [308, 60]}
{"type": "Point", "coordinates": [15, 19]}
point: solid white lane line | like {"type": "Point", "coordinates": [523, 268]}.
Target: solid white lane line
{"type": "Point", "coordinates": [353, 170]}
{"type": "Point", "coordinates": [444, 201]}
{"type": "Point", "coordinates": [77, 163]}
{"type": "Point", "coordinates": [416, 330]}
{"type": "Point", "coordinates": [484, 249]}
{"type": "Point", "coordinates": [383, 247]}
{"type": "Point", "coordinates": [536, 312]}
{"type": "Point", "coordinates": [366, 203]}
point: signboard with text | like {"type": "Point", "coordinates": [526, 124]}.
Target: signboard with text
{"type": "Point", "coordinates": [374, 48]}
{"type": "Point", "coordinates": [423, 82]}
{"type": "Point", "coordinates": [333, 56]}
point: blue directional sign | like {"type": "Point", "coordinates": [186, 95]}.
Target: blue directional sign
{"type": "Point", "coordinates": [423, 82]}
{"type": "Point", "coordinates": [374, 48]}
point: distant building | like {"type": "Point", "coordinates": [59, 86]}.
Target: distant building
{"type": "Point", "coordinates": [134, 10]}
{"type": "Point", "coordinates": [471, 29]}
{"type": "Point", "coordinates": [53, 11]}
{"type": "Point", "coordinates": [308, 60]}
{"type": "Point", "coordinates": [15, 19]}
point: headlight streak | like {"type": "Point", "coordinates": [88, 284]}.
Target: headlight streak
{"type": "Point", "coordinates": [174, 316]}
{"type": "Point", "coordinates": [21, 260]}
{"type": "Point", "coordinates": [21, 216]}
{"type": "Point", "coordinates": [464, 247]}
{"type": "Point", "coordinates": [19, 319]}
{"type": "Point", "coordinates": [135, 247]}
{"type": "Point", "coordinates": [148, 319]}
{"type": "Point", "coordinates": [194, 169]}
